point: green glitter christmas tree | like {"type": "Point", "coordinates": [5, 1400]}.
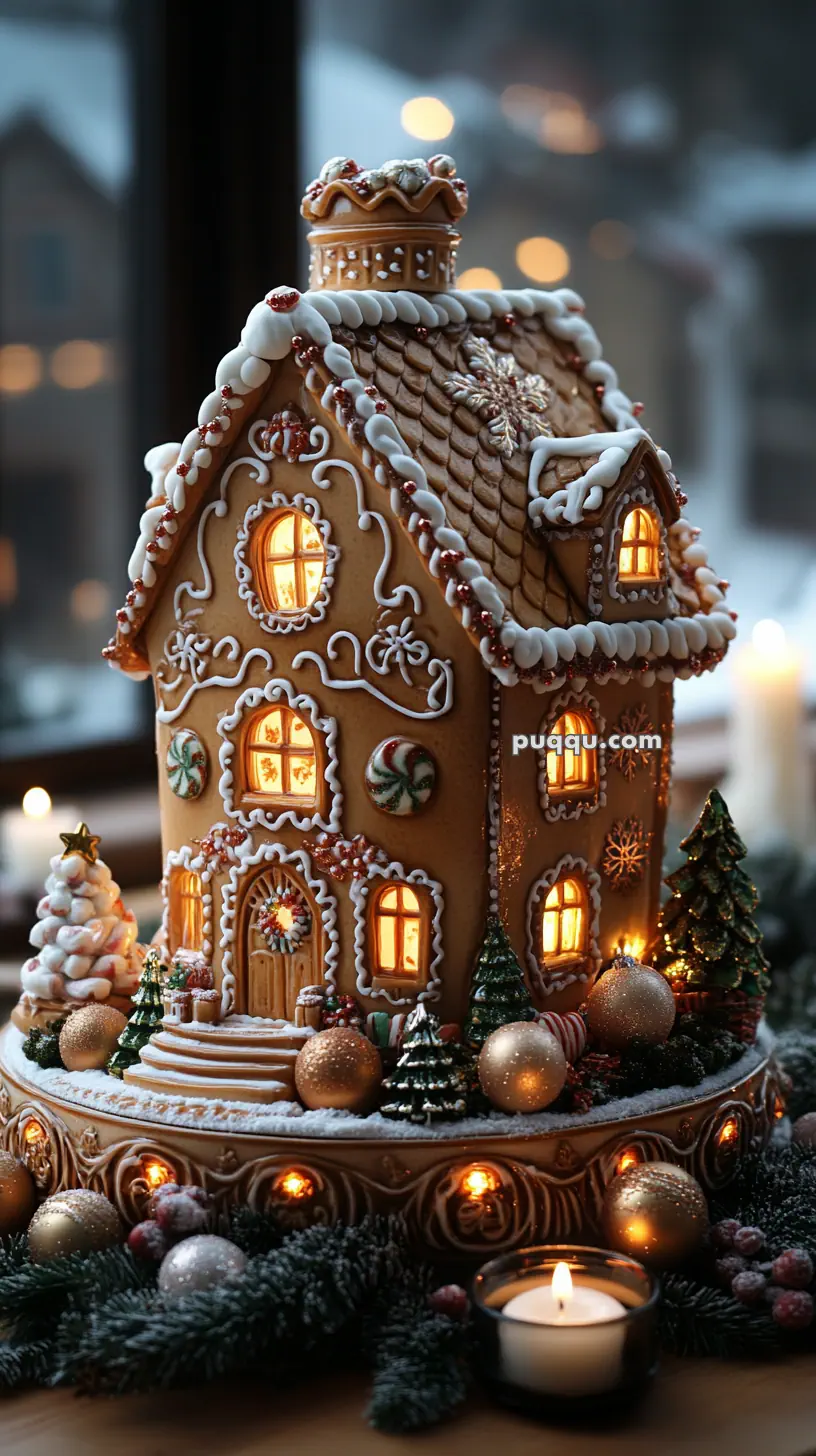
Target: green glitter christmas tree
{"type": "Point", "coordinates": [708, 936]}
{"type": "Point", "coordinates": [145, 1018]}
{"type": "Point", "coordinates": [498, 991]}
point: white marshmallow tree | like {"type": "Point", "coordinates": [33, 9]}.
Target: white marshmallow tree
{"type": "Point", "coordinates": [84, 938]}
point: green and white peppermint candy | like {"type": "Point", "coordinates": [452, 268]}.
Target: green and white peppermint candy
{"type": "Point", "coordinates": [186, 764]}
{"type": "Point", "coordinates": [400, 776]}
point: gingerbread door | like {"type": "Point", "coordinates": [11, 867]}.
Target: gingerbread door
{"type": "Point", "coordinates": [282, 941]}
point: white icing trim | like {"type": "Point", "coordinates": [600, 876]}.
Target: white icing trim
{"type": "Point", "coordinates": [687, 551]}
{"type": "Point", "coordinates": [275, 691]}
{"type": "Point", "coordinates": [546, 982]}
{"type": "Point", "coordinates": [359, 891]}
{"type": "Point", "coordinates": [393, 645]}
{"type": "Point", "coordinates": [267, 336]}
{"type": "Point", "coordinates": [325, 901]}
{"type": "Point", "coordinates": [401, 593]}
{"type": "Point", "coordinates": [189, 859]}
{"type": "Point", "coordinates": [494, 784]}
{"type": "Point", "coordinates": [639, 494]}
{"type": "Point", "coordinates": [568, 807]}
{"type": "Point", "coordinates": [284, 621]}
{"type": "Point", "coordinates": [587, 492]}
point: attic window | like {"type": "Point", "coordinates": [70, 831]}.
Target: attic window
{"type": "Point", "coordinates": [639, 558]}
{"type": "Point", "coordinates": [573, 771]}
{"type": "Point", "coordinates": [281, 759]}
{"type": "Point", "coordinates": [400, 935]}
{"type": "Point", "coordinates": [289, 562]}
{"type": "Point", "coordinates": [564, 922]}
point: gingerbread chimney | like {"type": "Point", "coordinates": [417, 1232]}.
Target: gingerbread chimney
{"type": "Point", "coordinates": [389, 228]}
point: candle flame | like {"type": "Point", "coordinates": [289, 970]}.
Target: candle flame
{"type": "Point", "coordinates": [769, 638]}
{"type": "Point", "coordinates": [36, 803]}
{"type": "Point", "coordinates": [632, 945]}
{"type": "Point", "coordinates": [562, 1283]}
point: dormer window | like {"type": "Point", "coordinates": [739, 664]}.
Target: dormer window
{"type": "Point", "coordinates": [289, 562]}
{"type": "Point", "coordinates": [639, 558]}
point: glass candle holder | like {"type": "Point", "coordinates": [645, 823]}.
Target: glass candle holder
{"type": "Point", "coordinates": [581, 1355]}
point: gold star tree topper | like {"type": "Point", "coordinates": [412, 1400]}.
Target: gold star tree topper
{"type": "Point", "coordinates": [81, 842]}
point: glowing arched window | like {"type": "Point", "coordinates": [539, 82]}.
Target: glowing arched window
{"type": "Point", "coordinates": [281, 757]}
{"type": "Point", "coordinates": [289, 559]}
{"type": "Point", "coordinates": [639, 558]}
{"type": "Point", "coordinates": [399, 934]}
{"type": "Point", "coordinates": [186, 910]}
{"type": "Point", "coordinates": [564, 921]}
{"type": "Point", "coordinates": [573, 772]}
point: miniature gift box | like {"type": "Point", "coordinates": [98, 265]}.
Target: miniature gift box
{"type": "Point", "coordinates": [206, 1006]}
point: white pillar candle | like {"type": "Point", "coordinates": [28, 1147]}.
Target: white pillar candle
{"type": "Point", "coordinates": [30, 837]}
{"type": "Point", "coordinates": [563, 1338]}
{"type": "Point", "coordinates": [769, 788]}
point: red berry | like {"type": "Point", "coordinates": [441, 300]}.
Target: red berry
{"type": "Point", "coordinates": [450, 1300]}
{"type": "Point", "coordinates": [793, 1309]}
{"type": "Point", "coordinates": [148, 1241]}
{"type": "Point", "coordinates": [793, 1269]}
{"type": "Point", "coordinates": [722, 1234]}
{"type": "Point", "coordinates": [748, 1286]}
{"type": "Point", "coordinates": [164, 1190]}
{"type": "Point", "coordinates": [729, 1267]}
{"type": "Point", "coordinates": [748, 1241]}
{"type": "Point", "coordinates": [181, 1216]}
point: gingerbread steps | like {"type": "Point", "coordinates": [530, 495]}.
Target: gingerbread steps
{"type": "Point", "coordinates": [237, 1062]}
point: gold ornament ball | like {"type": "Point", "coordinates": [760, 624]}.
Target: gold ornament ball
{"type": "Point", "coordinates": [655, 1212]}
{"type": "Point", "coordinates": [89, 1036]}
{"type": "Point", "coordinates": [522, 1067]}
{"type": "Point", "coordinates": [75, 1222]}
{"type": "Point", "coordinates": [629, 1002]}
{"type": "Point", "coordinates": [18, 1195]}
{"type": "Point", "coordinates": [338, 1068]}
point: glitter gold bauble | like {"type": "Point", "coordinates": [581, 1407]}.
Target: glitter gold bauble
{"type": "Point", "coordinates": [201, 1262]}
{"type": "Point", "coordinates": [75, 1222]}
{"type": "Point", "coordinates": [338, 1068]}
{"type": "Point", "coordinates": [89, 1036]}
{"type": "Point", "coordinates": [630, 1002]}
{"type": "Point", "coordinates": [522, 1067]}
{"type": "Point", "coordinates": [18, 1195]}
{"type": "Point", "coordinates": [655, 1212]}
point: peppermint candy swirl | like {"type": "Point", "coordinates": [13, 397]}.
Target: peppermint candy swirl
{"type": "Point", "coordinates": [400, 776]}
{"type": "Point", "coordinates": [186, 764]}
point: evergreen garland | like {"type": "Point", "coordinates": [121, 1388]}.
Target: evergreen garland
{"type": "Point", "coordinates": [420, 1371]}
{"type": "Point", "coordinates": [42, 1045]}
{"type": "Point", "coordinates": [698, 1320]}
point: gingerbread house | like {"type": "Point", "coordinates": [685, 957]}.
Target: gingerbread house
{"type": "Point", "coordinates": [413, 593]}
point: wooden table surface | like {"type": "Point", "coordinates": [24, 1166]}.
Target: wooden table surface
{"type": "Point", "coordinates": [702, 1407]}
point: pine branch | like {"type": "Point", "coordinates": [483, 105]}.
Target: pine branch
{"type": "Point", "coordinates": [33, 1297]}
{"type": "Point", "coordinates": [697, 1320]}
{"type": "Point", "coordinates": [13, 1254]}
{"type": "Point", "coordinates": [27, 1363]}
{"type": "Point", "coordinates": [316, 1284]}
{"type": "Point", "coordinates": [419, 1362]}
{"type": "Point", "coordinates": [254, 1232]}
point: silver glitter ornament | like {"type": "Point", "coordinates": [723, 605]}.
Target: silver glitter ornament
{"type": "Point", "coordinates": [201, 1262]}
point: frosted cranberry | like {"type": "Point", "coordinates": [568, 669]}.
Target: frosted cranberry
{"type": "Point", "coordinates": [793, 1269]}
{"type": "Point", "coordinates": [450, 1300]}
{"type": "Point", "coordinates": [148, 1241]}
{"type": "Point", "coordinates": [793, 1309]}
{"type": "Point", "coordinates": [728, 1267]}
{"type": "Point", "coordinates": [164, 1190]}
{"type": "Point", "coordinates": [748, 1241]}
{"type": "Point", "coordinates": [181, 1216]}
{"type": "Point", "coordinates": [749, 1286]}
{"type": "Point", "coordinates": [722, 1234]}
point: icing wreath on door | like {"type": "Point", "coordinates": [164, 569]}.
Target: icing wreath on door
{"type": "Point", "coordinates": [283, 951]}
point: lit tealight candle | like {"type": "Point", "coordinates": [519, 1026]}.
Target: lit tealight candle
{"type": "Point", "coordinates": [587, 1362]}
{"type": "Point", "coordinates": [769, 786]}
{"type": "Point", "coordinates": [30, 836]}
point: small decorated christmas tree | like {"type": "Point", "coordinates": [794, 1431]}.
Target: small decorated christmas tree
{"type": "Point", "coordinates": [427, 1084]}
{"type": "Point", "coordinates": [498, 991]}
{"type": "Point", "coordinates": [84, 938]}
{"type": "Point", "coordinates": [146, 1017]}
{"type": "Point", "coordinates": [708, 937]}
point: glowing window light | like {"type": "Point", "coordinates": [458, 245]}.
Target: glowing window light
{"type": "Point", "coordinates": [427, 118]}
{"type": "Point", "coordinates": [36, 803]}
{"type": "Point", "coordinates": [20, 369]}
{"type": "Point", "coordinates": [78, 364]}
{"type": "Point", "coordinates": [728, 1133]}
{"type": "Point", "coordinates": [572, 771]}
{"type": "Point", "coordinates": [291, 562]}
{"type": "Point", "coordinates": [477, 1182]}
{"type": "Point", "coordinates": [294, 1184]}
{"type": "Point", "coordinates": [156, 1172]}
{"type": "Point", "coordinates": [563, 922]}
{"type": "Point", "coordinates": [282, 760]}
{"type": "Point", "coordinates": [628, 1159]}
{"type": "Point", "coordinates": [398, 921]}
{"type": "Point", "coordinates": [639, 557]}
{"type": "Point", "coordinates": [478, 278]}
{"type": "Point", "coordinates": [543, 259]}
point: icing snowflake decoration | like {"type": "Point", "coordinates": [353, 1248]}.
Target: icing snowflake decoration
{"type": "Point", "coordinates": [625, 853]}
{"type": "Point", "coordinates": [511, 403]}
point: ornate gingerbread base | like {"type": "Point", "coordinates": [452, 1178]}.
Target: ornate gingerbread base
{"type": "Point", "coordinates": [462, 1195]}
